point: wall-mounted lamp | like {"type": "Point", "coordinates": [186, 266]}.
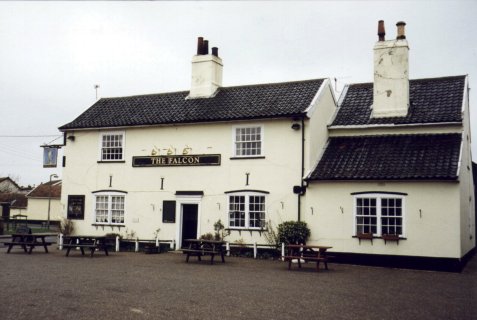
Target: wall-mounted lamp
{"type": "Point", "coordinates": [296, 126]}
{"type": "Point", "coordinates": [71, 138]}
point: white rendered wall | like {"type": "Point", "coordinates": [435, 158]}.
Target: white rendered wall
{"type": "Point", "coordinates": [38, 209]}
{"type": "Point", "coordinates": [277, 174]}
{"type": "Point", "coordinates": [432, 219]}
{"type": "Point", "coordinates": [467, 201]}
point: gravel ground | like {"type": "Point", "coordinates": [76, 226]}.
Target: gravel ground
{"type": "Point", "coordinates": [162, 286]}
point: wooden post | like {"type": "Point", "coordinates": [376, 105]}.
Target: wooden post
{"type": "Point", "coordinates": [117, 243]}
{"type": "Point", "coordinates": [60, 243]}
{"type": "Point", "coordinates": [255, 250]}
{"type": "Point", "coordinates": [136, 247]}
{"type": "Point", "coordinates": [227, 248]}
{"type": "Point", "coordinates": [283, 251]}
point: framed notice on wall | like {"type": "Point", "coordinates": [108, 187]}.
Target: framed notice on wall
{"type": "Point", "coordinates": [75, 207]}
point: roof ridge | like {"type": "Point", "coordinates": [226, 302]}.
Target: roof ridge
{"type": "Point", "coordinates": [220, 88]}
{"type": "Point", "coordinates": [414, 80]}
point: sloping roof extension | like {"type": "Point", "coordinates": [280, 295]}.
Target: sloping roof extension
{"type": "Point", "coordinates": [390, 157]}
{"type": "Point", "coordinates": [275, 100]}
{"type": "Point", "coordinates": [435, 100]}
{"type": "Point", "coordinates": [43, 190]}
{"type": "Point", "coordinates": [16, 200]}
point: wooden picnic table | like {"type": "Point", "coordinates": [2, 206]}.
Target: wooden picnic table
{"type": "Point", "coordinates": [202, 247]}
{"type": "Point", "coordinates": [82, 242]}
{"type": "Point", "coordinates": [307, 253]}
{"type": "Point", "coordinates": [30, 240]}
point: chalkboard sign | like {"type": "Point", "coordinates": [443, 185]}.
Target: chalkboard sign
{"type": "Point", "coordinates": [75, 207]}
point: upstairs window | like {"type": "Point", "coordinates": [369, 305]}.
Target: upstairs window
{"type": "Point", "coordinates": [248, 141]}
{"type": "Point", "coordinates": [379, 214]}
{"type": "Point", "coordinates": [112, 146]}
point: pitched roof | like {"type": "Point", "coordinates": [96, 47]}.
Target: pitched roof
{"type": "Point", "coordinates": [17, 200]}
{"type": "Point", "coordinates": [230, 103]}
{"type": "Point", "coordinates": [390, 157]}
{"type": "Point", "coordinates": [43, 190]}
{"type": "Point", "coordinates": [433, 100]}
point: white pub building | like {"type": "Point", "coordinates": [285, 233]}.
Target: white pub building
{"type": "Point", "coordinates": [383, 174]}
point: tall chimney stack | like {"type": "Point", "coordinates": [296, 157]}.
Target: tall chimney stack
{"type": "Point", "coordinates": [381, 32]}
{"type": "Point", "coordinates": [391, 75]}
{"type": "Point", "coordinates": [206, 71]}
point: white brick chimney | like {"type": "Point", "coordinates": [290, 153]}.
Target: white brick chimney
{"type": "Point", "coordinates": [391, 75]}
{"type": "Point", "coordinates": [206, 71]}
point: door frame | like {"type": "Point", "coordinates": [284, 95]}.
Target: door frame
{"type": "Point", "coordinates": [180, 201]}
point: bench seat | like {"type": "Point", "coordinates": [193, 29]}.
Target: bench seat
{"type": "Point", "coordinates": [306, 259]}
{"type": "Point", "coordinates": [202, 252]}
{"type": "Point", "coordinates": [28, 243]}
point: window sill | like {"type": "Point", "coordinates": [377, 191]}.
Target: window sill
{"type": "Point", "coordinates": [246, 229]}
{"type": "Point", "coordinates": [102, 225]}
{"type": "Point", "coordinates": [113, 161]}
{"type": "Point", "coordinates": [247, 158]}
{"type": "Point", "coordinates": [384, 237]}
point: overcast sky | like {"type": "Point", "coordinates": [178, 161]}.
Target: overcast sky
{"type": "Point", "coordinates": [53, 53]}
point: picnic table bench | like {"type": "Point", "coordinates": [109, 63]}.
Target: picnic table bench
{"type": "Point", "coordinates": [23, 237]}
{"type": "Point", "coordinates": [307, 253]}
{"type": "Point", "coordinates": [201, 247]}
{"type": "Point", "coordinates": [92, 243]}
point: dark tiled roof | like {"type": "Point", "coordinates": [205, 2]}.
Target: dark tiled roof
{"type": "Point", "coordinates": [19, 199]}
{"type": "Point", "coordinates": [390, 157]}
{"type": "Point", "coordinates": [432, 101]}
{"type": "Point", "coordinates": [43, 190]}
{"type": "Point", "coordinates": [230, 103]}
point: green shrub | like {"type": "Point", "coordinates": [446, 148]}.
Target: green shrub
{"type": "Point", "coordinates": [293, 232]}
{"type": "Point", "coordinates": [207, 236]}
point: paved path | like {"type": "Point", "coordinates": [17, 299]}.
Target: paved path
{"type": "Point", "coordinates": [162, 286]}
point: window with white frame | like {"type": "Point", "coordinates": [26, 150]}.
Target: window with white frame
{"type": "Point", "coordinates": [247, 210]}
{"type": "Point", "coordinates": [109, 208]}
{"type": "Point", "coordinates": [248, 141]}
{"type": "Point", "coordinates": [379, 214]}
{"type": "Point", "coordinates": [112, 146]}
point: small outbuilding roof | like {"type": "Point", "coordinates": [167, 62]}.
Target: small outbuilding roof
{"type": "Point", "coordinates": [274, 100]}
{"type": "Point", "coordinates": [434, 100]}
{"type": "Point", "coordinates": [390, 157]}
{"type": "Point", "coordinates": [47, 189]}
{"type": "Point", "coordinates": [15, 199]}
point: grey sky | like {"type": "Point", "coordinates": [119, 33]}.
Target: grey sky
{"type": "Point", "coordinates": [53, 53]}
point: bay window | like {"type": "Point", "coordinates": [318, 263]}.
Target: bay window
{"type": "Point", "coordinates": [379, 214]}
{"type": "Point", "coordinates": [247, 210]}
{"type": "Point", "coordinates": [109, 208]}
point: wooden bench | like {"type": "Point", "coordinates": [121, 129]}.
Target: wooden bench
{"type": "Point", "coordinates": [92, 247]}
{"type": "Point", "coordinates": [306, 259]}
{"type": "Point", "coordinates": [202, 247]}
{"type": "Point", "coordinates": [199, 253]}
{"type": "Point", "coordinates": [24, 238]}
{"type": "Point", "coordinates": [307, 253]}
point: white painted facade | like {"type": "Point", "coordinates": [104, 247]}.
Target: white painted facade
{"type": "Point", "coordinates": [274, 174]}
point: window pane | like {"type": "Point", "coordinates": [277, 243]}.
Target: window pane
{"type": "Point", "coordinates": [112, 147]}
{"type": "Point", "coordinates": [237, 211]}
{"type": "Point", "coordinates": [257, 211]}
{"type": "Point", "coordinates": [391, 212]}
{"type": "Point", "coordinates": [248, 141]}
{"type": "Point", "coordinates": [101, 209]}
{"type": "Point", "coordinates": [366, 218]}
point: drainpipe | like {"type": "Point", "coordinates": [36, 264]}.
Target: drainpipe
{"type": "Point", "coordinates": [302, 165]}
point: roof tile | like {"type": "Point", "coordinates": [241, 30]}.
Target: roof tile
{"type": "Point", "coordinates": [433, 100]}
{"type": "Point", "coordinates": [230, 103]}
{"type": "Point", "coordinates": [390, 157]}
